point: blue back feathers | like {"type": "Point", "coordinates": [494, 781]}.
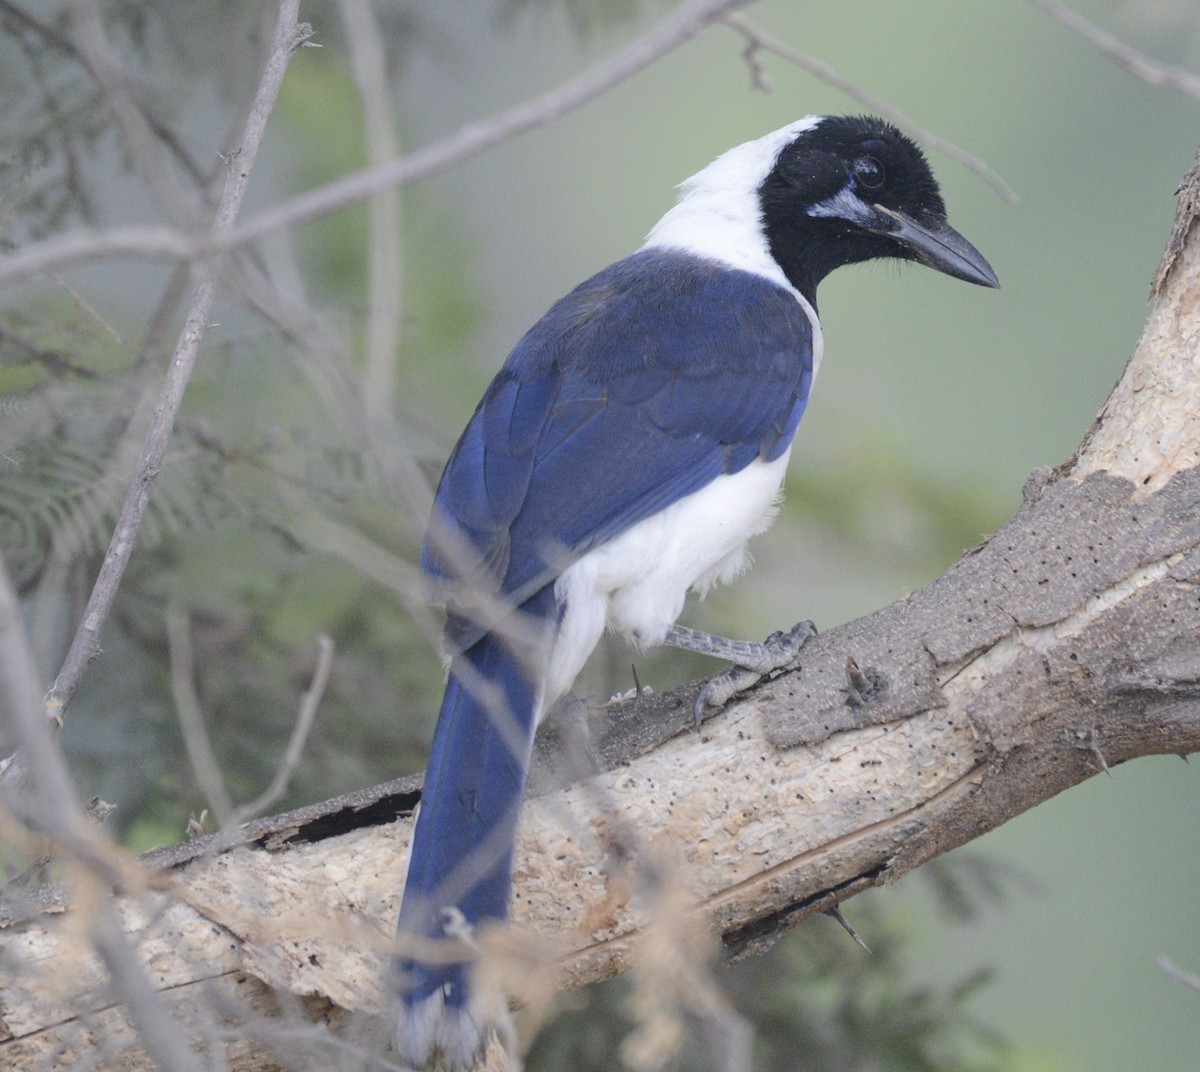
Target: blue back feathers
{"type": "Point", "coordinates": [639, 387]}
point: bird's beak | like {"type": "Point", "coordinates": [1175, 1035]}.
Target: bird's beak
{"type": "Point", "coordinates": [936, 245]}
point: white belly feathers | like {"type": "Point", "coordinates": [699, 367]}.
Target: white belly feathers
{"type": "Point", "coordinates": [637, 582]}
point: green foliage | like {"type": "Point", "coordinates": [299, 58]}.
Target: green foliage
{"type": "Point", "coordinates": [259, 456]}
{"type": "Point", "coordinates": [222, 538]}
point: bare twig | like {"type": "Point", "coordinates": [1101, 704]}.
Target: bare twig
{"type": "Point", "coordinates": [1177, 973]}
{"type": "Point", "coordinates": [19, 692]}
{"type": "Point", "coordinates": [35, 780]}
{"type": "Point", "coordinates": [89, 310]}
{"type": "Point", "coordinates": [135, 409]}
{"type": "Point", "coordinates": [85, 246]}
{"type": "Point", "coordinates": [384, 291]}
{"type": "Point", "coordinates": [191, 720]}
{"type": "Point", "coordinates": [305, 717]}
{"type": "Point", "coordinates": [1125, 56]}
{"type": "Point", "coordinates": [85, 644]}
{"type": "Point", "coordinates": [757, 42]}
{"type": "Point", "coordinates": [195, 736]}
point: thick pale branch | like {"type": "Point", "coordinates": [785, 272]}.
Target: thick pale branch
{"type": "Point", "coordinates": [1063, 646]}
{"type": "Point", "coordinates": [1149, 429]}
{"type": "Point", "coordinates": [1065, 643]}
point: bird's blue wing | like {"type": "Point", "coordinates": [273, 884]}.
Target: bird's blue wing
{"type": "Point", "coordinates": [641, 386]}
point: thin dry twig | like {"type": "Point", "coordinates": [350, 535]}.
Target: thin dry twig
{"type": "Point", "coordinates": [199, 745]}
{"type": "Point", "coordinates": [1177, 973]}
{"type": "Point", "coordinates": [196, 741]}
{"type": "Point", "coordinates": [20, 694]}
{"type": "Point", "coordinates": [385, 264]}
{"type": "Point", "coordinates": [85, 644]}
{"type": "Point", "coordinates": [305, 717]}
{"type": "Point", "coordinates": [757, 42]}
{"type": "Point", "coordinates": [1125, 56]}
{"type": "Point", "coordinates": [135, 409]}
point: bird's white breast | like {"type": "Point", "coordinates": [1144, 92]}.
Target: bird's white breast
{"type": "Point", "coordinates": [637, 582]}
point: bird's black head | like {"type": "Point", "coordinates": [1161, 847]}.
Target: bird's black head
{"type": "Point", "coordinates": [853, 188]}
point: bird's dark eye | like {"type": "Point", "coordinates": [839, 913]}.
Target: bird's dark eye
{"type": "Point", "coordinates": [869, 173]}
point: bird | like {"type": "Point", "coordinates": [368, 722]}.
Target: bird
{"type": "Point", "coordinates": [632, 443]}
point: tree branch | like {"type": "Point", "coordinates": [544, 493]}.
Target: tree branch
{"type": "Point", "coordinates": [385, 285]}
{"type": "Point", "coordinates": [1062, 646]}
{"type": "Point", "coordinates": [85, 644]}
{"type": "Point", "coordinates": [1124, 56]}
{"type": "Point", "coordinates": [757, 41]}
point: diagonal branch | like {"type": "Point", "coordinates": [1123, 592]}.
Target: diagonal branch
{"type": "Point", "coordinates": [85, 644]}
{"type": "Point", "coordinates": [1124, 56]}
{"type": "Point", "coordinates": [757, 42]}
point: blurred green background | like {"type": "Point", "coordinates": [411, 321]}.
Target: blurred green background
{"type": "Point", "coordinates": [934, 402]}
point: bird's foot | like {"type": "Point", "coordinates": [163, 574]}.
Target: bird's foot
{"type": "Point", "coordinates": [751, 662]}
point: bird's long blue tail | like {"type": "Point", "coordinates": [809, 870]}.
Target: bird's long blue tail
{"type": "Point", "coordinates": [460, 865]}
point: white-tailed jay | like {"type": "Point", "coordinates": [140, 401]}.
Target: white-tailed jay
{"type": "Point", "coordinates": [633, 442]}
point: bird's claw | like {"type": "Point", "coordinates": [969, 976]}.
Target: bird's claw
{"type": "Point", "coordinates": [782, 648]}
{"type": "Point", "coordinates": [777, 652]}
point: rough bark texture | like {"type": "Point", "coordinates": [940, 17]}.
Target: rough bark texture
{"type": "Point", "coordinates": [1065, 643]}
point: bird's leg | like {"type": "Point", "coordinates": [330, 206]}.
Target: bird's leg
{"type": "Point", "coordinates": [751, 661]}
